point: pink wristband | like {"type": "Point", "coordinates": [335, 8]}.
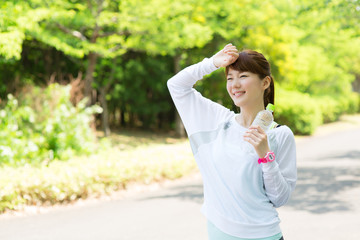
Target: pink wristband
{"type": "Point", "coordinates": [269, 157]}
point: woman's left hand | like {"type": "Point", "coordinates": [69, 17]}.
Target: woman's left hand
{"type": "Point", "coordinates": [257, 137]}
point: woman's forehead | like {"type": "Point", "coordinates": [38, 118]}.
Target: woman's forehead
{"type": "Point", "coordinates": [233, 71]}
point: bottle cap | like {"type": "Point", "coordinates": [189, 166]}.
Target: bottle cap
{"type": "Point", "coordinates": [270, 107]}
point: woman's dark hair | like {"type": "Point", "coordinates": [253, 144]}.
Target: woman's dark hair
{"type": "Point", "coordinates": [255, 62]}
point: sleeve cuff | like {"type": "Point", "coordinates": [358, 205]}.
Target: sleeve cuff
{"type": "Point", "coordinates": [211, 64]}
{"type": "Point", "coordinates": [270, 167]}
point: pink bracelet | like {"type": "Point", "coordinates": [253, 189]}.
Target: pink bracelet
{"type": "Point", "coordinates": [269, 157]}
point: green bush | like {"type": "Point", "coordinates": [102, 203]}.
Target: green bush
{"type": "Point", "coordinates": [303, 113]}
{"type": "Point", "coordinates": [353, 103]}
{"type": "Point", "coordinates": [298, 111]}
{"type": "Point", "coordinates": [44, 125]}
{"type": "Point", "coordinates": [332, 108]}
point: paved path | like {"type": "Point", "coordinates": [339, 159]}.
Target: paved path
{"type": "Point", "coordinates": [325, 204]}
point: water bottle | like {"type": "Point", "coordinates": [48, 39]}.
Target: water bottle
{"type": "Point", "coordinates": [264, 118]}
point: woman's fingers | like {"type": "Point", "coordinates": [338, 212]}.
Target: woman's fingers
{"type": "Point", "coordinates": [232, 48]}
{"type": "Point", "coordinates": [253, 137]}
{"type": "Point", "coordinates": [233, 55]}
{"type": "Point", "coordinates": [256, 134]}
{"type": "Point", "coordinates": [250, 140]}
{"type": "Point", "coordinates": [229, 47]}
{"type": "Point", "coordinates": [226, 56]}
{"type": "Point", "coordinates": [233, 52]}
{"type": "Point", "coordinates": [257, 137]}
{"type": "Point", "coordinates": [258, 128]}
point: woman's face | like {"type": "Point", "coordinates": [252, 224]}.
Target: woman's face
{"type": "Point", "coordinates": [245, 88]}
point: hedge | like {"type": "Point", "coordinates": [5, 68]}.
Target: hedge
{"type": "Point", "coordinates": [304, 113]}
{"type": "Point", "coordinates": [298, 111]}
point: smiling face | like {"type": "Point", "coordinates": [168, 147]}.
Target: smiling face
{"type": "Point", "coordinates": [246, 88]}
{"type": "Point", "coordinates": [250, 84]}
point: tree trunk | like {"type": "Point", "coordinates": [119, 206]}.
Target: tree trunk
{"type": "Point", "coordinates": [105, 113]}
{"type": "Point", "coordinates": [103, 90]}
{"type": "Point", "coordinates": [48, 62]}
{"type": "Point", "coordinates": [356, 84]}
{"type": "Point", "coordinates": [122, 117]}
{"type": "Point", "coordinates": [179, 126]}
{"type": "Point", "coordinates": [89, 77]}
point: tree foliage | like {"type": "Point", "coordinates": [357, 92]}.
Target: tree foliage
{"type": "Point", "coordinates": [128, 49]}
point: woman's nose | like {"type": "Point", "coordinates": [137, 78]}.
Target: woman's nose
{"type": "Point", "coordinates": [236, 82]}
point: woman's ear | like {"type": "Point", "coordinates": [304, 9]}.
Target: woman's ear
{"type": "Point", "coordinates": [266, 82]}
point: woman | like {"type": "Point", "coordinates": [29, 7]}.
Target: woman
{"type": "Point", "coordinates": [241, 192]}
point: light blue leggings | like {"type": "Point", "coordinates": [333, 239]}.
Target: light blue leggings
{"type": "Point", "coordinates": [216, 234]}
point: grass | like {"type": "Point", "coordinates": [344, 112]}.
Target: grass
{"type": "Point", "coordinates": [128, 139]}
{"type": "Point", "coordinates": [140, 157]}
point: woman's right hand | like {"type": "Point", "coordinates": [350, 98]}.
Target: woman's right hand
{"type": "Point", "coordinates": [226, 56]}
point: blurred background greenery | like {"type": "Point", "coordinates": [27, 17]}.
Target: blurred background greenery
{"type": "Point", "coordinates": [62, 59]}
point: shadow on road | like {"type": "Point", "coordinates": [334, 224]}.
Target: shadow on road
{"type": "Point", "coordinates": [193, 192]}
{"type": "Point", "coordinates": [353, 155]}
{"type": "Point", "coordinates": [319, 190]}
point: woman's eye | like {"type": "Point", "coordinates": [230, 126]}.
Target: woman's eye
{"type": "Point", "coordinates": [229, 79]}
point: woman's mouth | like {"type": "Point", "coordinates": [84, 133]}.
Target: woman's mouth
{"type": "Point", "coordinates": [238, 93]}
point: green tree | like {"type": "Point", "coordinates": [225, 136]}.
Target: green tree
{"type": "Point", "coordinates": [81, 29]}
{"type": "Point", "coordinates": [12, 27]}
{"type": "Point", "coordinates": [171, 27]}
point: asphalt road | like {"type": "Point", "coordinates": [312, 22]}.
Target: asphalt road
{"type": "Point", "coordinates": [325, 204]}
